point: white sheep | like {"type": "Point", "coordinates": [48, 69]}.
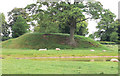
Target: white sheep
{"type": "Point", "coordinates": [104, 50]}
{"type": "Point", "coordinates": [42, 49]}
{"type": "Point", "coordinates": [92, 50]}
{"type": "Point", "coordinates": [114, 60]}
{"type": "Point", "coordinates": [57, 49]}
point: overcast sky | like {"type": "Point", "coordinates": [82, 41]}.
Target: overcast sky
{"type": "Point", "coordinates": [8, 5]}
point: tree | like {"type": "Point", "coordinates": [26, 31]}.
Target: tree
{"type": "Point", "coordinates": [45, 24]}
{"type": "Point", "coordinates": [107, 27]}
{"type": "Point", "coordinates": [19, 27]}
{"type": "Point", "coordinates": [114, 36]}
{"type": "Point", "coordinates": [72, 14]}
{"type": "Point", "coordinates": [4, 28]}
{"type": "Point", "coordinates": [69, 14]}
{"type": "Point", "coordinates": [13, 15]}
{"type": "Point", "coordinates": [80, 30]}
{"type": "Point", "coordinates": [19, 14]}
{"type": "Point", "coordinates": [118, 31]}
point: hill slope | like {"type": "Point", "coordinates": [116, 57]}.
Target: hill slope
{"type": "Point", "coordinates": [50, 41]}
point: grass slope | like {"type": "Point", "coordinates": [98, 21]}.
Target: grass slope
{"type": "Point", "coordinates": [50, 41]}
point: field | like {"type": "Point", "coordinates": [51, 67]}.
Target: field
{"type": "Point", "coordinates": [85, 32]}
{"type": "Point", "coordinates": [14, 64]}
{"type": "Point", "coordinates": [58, 67]}
{"type": "Point", "coordinates": [21, 55]}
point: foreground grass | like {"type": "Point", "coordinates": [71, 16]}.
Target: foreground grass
{"type": "Point", "coordinates": [57, 67]}
{"type": "Point", "coordinates": [10, 65]}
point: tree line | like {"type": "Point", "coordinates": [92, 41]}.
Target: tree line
{"type": "Point", "coordinates": [61, 17]}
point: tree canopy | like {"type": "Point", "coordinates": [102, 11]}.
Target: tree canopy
{"type": "Point", "coordinates": [107, 27]}
{"type": "Point", "coordinates": [13, 14]}
{"type": "Point", "coordinates": [66, 14]}
{"type": "Point", "coordinates": [64, 17]}
{"type": "Point", "coordinates": [4, 28]}
{"type": "Point", "coordinates": [19, 27]}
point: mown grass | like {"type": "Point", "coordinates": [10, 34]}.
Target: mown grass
{"type": "Point", "coordinates": [50, 41]}
{"type": "Point", "coordinates": [27, 46]}
{"type": "Point", "coordinates": [21, 53]}
{"type": "Point", "coordinates": [54, 53]}
{"type": "Point", "coordinates": [57, 67]}
{"type": "Point", "coordinates": [10, 65]}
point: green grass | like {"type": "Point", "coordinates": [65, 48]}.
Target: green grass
{"type": "Point", "coordinates": [21, 53]}
{"type": "Point", "coordinates": [112, 47]}
{"type": "Point", "coordinates": [50, 41]}
{"type": "Point", "coordinates": [27, 46]}
{"type": "Point", "coordinates": [10, 65]}
{"type": "Point", "coordinates": [57, 67]}
{"type": "Point", "coordinates": [54, 53]}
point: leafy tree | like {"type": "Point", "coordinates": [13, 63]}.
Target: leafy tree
{"type": "Point", "coordinates": [16, 15]}
{"type": "Point", "coordinates": [114, 33]}
{"type": "Point", "coordinates": [46, 24]}
{"type": "Point", "coordinates": [114, 36]}
{"type": "Point", "coordinates": [19, 27]}
{"type": "Point", "coordinates": [4, 28]}
{"type": "Point", "coordinates": [68, 14]}
{"type": "Point", "coordinates": [33, 13]}
{"type": "Point", "coordinates": [118, 31]}
{"type": "Point", "coordinates": [107, 27]}
{"type": "Point", "coordinates": [80, 30]}
{"type": "Point", "coordinates": [13, 14]}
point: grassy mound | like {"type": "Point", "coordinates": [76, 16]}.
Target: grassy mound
{"type": "Point", "coordinates": [50, 41]}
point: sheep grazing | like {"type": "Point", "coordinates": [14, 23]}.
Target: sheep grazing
{"type": "Point", "coordinates": [92, 50]}
{"type": "Point", "coordinates": [114, 60]}
{"type": "Point", "coordinates": [104, 50]}
{"type": "Point", "coordinates": [42, 49]}
{"type": "Point", "coordinates": [57, 49]}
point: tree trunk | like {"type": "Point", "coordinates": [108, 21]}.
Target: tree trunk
{"type": "Point", "coordinates": [72, 40]}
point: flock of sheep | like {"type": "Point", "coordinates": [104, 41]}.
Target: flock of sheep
{"type": "Point", "coordinates": [46, 49]}
{"type": "Point", "coordinates": [94, 50]}
{"type": "Point", "coordinates": [112, 60]}
{"type": "Point", "coordinates": [58, 49]}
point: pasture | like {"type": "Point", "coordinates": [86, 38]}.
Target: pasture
{"type": "Point", "coordinates": [59, 37]}
{"type": "Point", "coordinates": [12, 64]}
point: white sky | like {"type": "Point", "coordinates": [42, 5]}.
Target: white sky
{"type": "Point", "coordinates": [8, 5]}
